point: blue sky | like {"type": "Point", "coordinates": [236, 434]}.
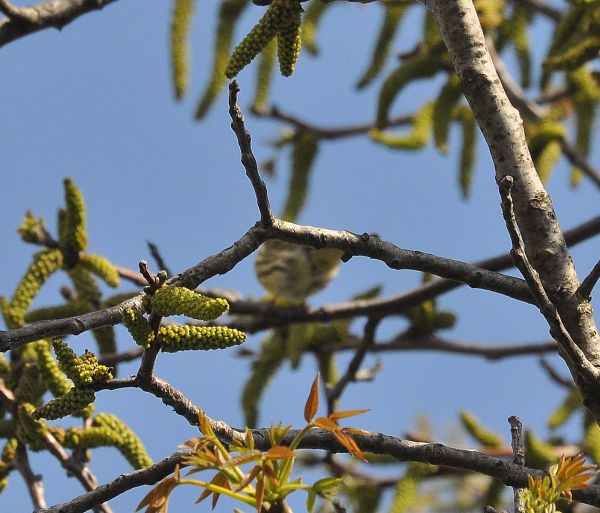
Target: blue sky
{"type": "Point", "coordinates": [95, 102]}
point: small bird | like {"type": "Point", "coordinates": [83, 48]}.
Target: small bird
{"type": "Point", "coordinates": [292, 272]}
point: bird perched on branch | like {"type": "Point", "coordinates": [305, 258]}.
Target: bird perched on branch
{"type": "Point", "coordinates": [292, 272]}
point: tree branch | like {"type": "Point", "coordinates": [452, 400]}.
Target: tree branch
{"type": "Point", "coordinates": [224, 261]}
{"type": "Point", "coordinates": [437, 454]}
{"type": "Point", "coordinates": [502, 128]}
{"type": "Point", "coordinates": [22, 21]}
{"type": "Point", "coordinates": [243, 136]}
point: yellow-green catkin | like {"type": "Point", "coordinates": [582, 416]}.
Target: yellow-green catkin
{"type": "Point", "coordinates": [394, 11]}
{"type": "Point", "coordinates": [264, 75]}
{"type": "Point", "coordinates": [418, 136]}
{"type": "Point", "coordinates": [570, 405]}
{"type": "Point", "coordinates": [229, 13]}
{"type": "Point", "coordinates": [44, 264]}
{"type": "Point", "coordinates": [69, 309]}
{"type": "Point", "coordinates": [30, 430]}
{"type": "Point", "coordinates": [74, 235]}
{"type": "Point", "coordinates": [105, 340]}
{"type": "Point", "coordinates": [272, 354]}
{"type": "Point", "coordinates": [75, 400]}
{"type": "Point", "coordinates": [102, 268]}
{"type": "Point", "coordinates": [126, 440]}
{"type": "Point", "coordinates": [575, 56]}
{"type": "Point", "coordinates": [443, 109]}
{"type": "Point", "coordinates": [50, 371]}
{"type": "Point", "coordinates": [478, 432]}
{"type": "Point", "coordinates": [591, 442]}
{"type": "Point", "coordinates": [260, 35]}
{"type": "Point", "coordinates": [363, 497]}
{"type": "Point", "coordinates": [408, 486]}
{"type": "Point", "coordinates": [490, 13]}
{"type": "Point", "coordinates": [538, 454]}
{"type": "Point", "coordinates": [493, 494]}
{"type": "Point", "coordinates": [181, 21]}
{"type": "Point", "coordinates": [91, 371]}
{"type": "Point", "coordinates": [299, 338]}
{"type": "Point", "coordinates": [30, 387]}
{"type": "Point", "coordinates": [431, 32]}
{"type": "Point", "coordinates": [9, 450]}
{"type": "Point", "coordinates": [83, 370]}
{"type": "Point", "coordinates": [303, 156]}
{"type": "Point", "coordinates": [32, 229]}
{"type": "Point", "coordinates": [172, 300]}
{"type": "Point", "coordinates": [546, 160]}
{"type": "Point", "coordinates": [468, 149]}
{"type": "Point", "coordinates": [310, 22]}
{"type": "Point", "coordinates": [138, 327]}
{"type": "Point", "coordinates": [175, 338]}
{"type": "Point", "coordinates": [414, 68]}
{"type": "Point", "coordinates": [520, 37]}
{"type": "Point", "coordinates": [85, 285]}
{"type": "Point", "coordinates": [289, 40]}
{"type": "Point", "coordinates": [585, 102]}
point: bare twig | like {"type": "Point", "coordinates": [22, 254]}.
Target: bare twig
{"type": "Point", "coordinates": [158, 258]}
{"type": "Point", "coordinates": [335, 392]}
{"type": "Point", "coordinates": [572, 353]}
{"type": "Point", "coordinates": [434, 343]}
{"type": "Point", "coordinates": [243, 136]}
{"type": "Point", "coordinates": [35, 485]}
{"type": "Point", "coordinates": [542, 8]}
{"type": "Point", "coordinates": [275, 113]}
{"type": "Point", "coordinates": [555, 376]}
{"type": "Point", "coordinates": [123, 483]}
{"type": "Point", "coordinates": [588, 284]}
{"type": "Point", "coordinates": [22, 21]}
{"type": "Point", "coordinates": [518, 447]}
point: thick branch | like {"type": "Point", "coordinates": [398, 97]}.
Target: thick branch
{"type": "Point", "coordinates": [503, 130]}
{"type": "Point", "coordinates": [510, 473]}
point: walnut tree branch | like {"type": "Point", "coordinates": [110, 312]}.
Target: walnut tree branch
{"type": "Point", "coordinates": [535, 217]}
{"type": "Point", "coordinates": [403, 450]}
{"type": "Point", "coordinates": [22, 21]}
{"type": "Point", "coordinates": [248, 159]}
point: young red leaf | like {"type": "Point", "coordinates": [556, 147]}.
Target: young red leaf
{"type": "Point", "coordinates": [249, 478]}
{"type": "Point", "coordinates": [279, 452]}
{"type": "Point", "coordinates": [348, 413]}
{"type": "Point", "coordinates": [312, 403]}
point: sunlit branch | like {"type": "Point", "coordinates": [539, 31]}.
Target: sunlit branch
{"type": "Point", "coordinates": [22, 21]}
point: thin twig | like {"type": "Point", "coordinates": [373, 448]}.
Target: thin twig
{"type": "Point", "coordinates": [275, 113]}
{"type": "Point", "coordinates": [518, 447]}
{"type": "Point", "coordinates": [555, 376]}
{"type": "Point", "coordinates": [434, 343]}
{"type": "Point", "coordinates": [249, 162]}
{"type": "Point", "coordinates": [335, 392]}
{"type": "Point", "coordinates": [588, 284]}
{"type": "Point", "coordinates": [35, 485]}
{"type": "Point", "coordinates": [557, 329]}
{"type": "Point", "coordinates": [158, 258]}
{"type": "Point", "coordinates": [542, 8]}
